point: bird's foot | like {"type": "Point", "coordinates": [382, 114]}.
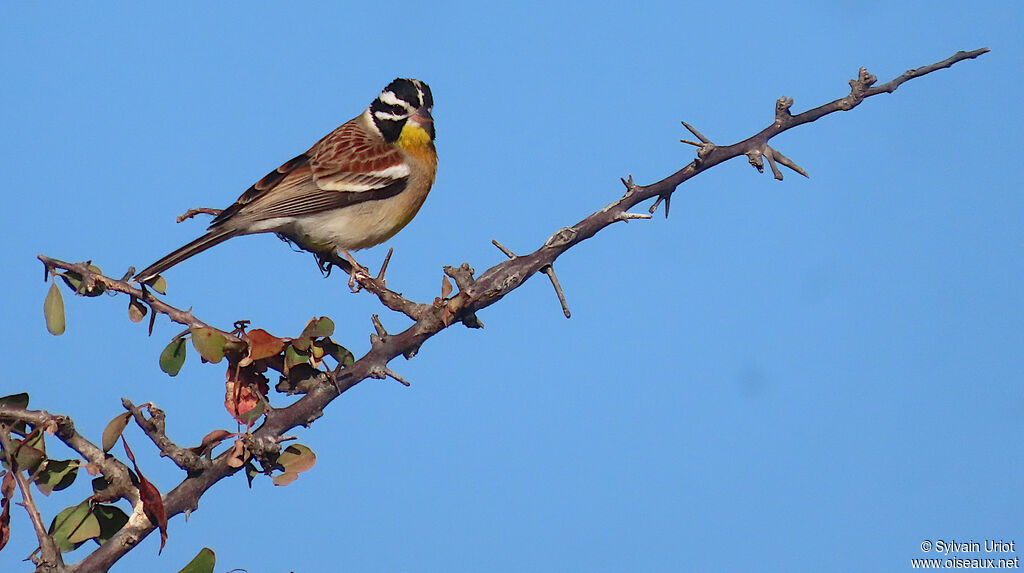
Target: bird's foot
{"type": "Point", "coordinates": [357, 272]}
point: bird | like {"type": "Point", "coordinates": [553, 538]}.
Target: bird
{"type": "Point", "coordinates": [355, 188]}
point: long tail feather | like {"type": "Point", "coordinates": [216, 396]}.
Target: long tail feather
{"type": "Point", "coordinates": [214, 237]}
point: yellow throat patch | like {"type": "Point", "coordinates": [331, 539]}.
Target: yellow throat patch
{"type": "Point", "coordinates": [415, 140]}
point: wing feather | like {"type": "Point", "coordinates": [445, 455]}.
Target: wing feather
{"type": "Point", "coordinates": [346, 167]}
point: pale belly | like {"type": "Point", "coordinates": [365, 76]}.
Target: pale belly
{"type": "Point", "coordinates": [350, 228]}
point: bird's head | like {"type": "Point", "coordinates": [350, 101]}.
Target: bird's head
{"type": "Point", "coordinates": [402, 113]}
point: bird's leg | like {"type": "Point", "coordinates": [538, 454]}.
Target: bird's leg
{"type": "Point", "coordinates": [357, 271]}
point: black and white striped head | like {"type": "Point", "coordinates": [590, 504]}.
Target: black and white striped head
{"type": "Point", "coordinates": [404, 100]}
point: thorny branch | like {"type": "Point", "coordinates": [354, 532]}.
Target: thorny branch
{"type": "Point", "coordinates": [92, 279]}
{"type": "Point", "coordinates": [153, 427]}
{"type": "Point", "coordinates": [474, 294]}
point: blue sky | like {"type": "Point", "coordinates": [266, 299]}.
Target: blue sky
{"type": "Point", "coordinates": [812, 375]}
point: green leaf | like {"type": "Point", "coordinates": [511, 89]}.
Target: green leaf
{"type": "Point", "coordinates": [159, 284]}
{"type": "Point", "coordinates": [73, 526]}
{"type": "Point", "coordinates": [53, 310]}
{"type": "Point", "coordinates": [29, 458]}
{"type": "Point", "coordinates": [30, 452]}
{"type": "Point", "coordinates": [57, 475]}
{"type": "Point", "coordinates": [316, 328]}
{"type": "Point", "coordinates": [294, 356]}
{"type": "Point", "coordinates": [36, 440]}
{"type": "Point", "coordinates": [203, 562]}
{"type": "Point", "coordinates": [173, 357]}
{"type": "Point", "coordinates": [111, 519]}
{"type": "Point", "coordinates": [295, 459]}
{"type": "Point", "coordinates": [338, 352]}
{"type": "Point", "coordinates": [113, 430]}
{"type": "Point", "coordinates": [209, 343]}
{"type": "Point", "coordinates": [136, 310]}
{"type": "Point", "coordinates": [319, 328]}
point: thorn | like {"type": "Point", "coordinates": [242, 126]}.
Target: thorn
{"type": "Point", "coordinates": [626, 216]}
{"type": "Point", "coordinates": [381, 332]}
{"type": "Point", "coordinates": [384, 265]}
{"type": "Point", "coordinates": [629, 183]}
{"type": "Point", "coordinates": [550, 271]}
{"type": "Point", "coordinates": [691, 142]}
{"type": "Point", "coordinates": [666, 198]}
{"type": "Point", "coordinates": [789, 162]}
{"type": "Point", "coordinates": [395, 375]}
{"type": "Point", "coordinates": [503, 248]}
{"type": "Point", "coordinates": [332, 377]}
{"type": "Point", "coordinates": [696, 133]}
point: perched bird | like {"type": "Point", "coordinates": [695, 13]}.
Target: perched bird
{"type": "Point", "coordinates": [353, 189]}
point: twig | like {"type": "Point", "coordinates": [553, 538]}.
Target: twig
{"type": "Point", "coordinates": [49, 553]}
{"type": "Point", "coordinates": [155, 304]}
{"type": "Point", "coordinates": [196, 211]}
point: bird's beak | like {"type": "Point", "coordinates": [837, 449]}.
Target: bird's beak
{"type": "Point", "coordinates": [422, 117]}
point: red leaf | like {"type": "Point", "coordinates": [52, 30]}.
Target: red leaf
{"type": "Point", "coordinates": [245, 393]}
{"type": "Point", "coordinates": [242, 402]}
{"type": "Point", "coordinates": [7, 485]}
{"type": "Point", "coordinates": [153, 506]}
{"type": "Point", "coordinates": [6, 493]}
{"type": "Point", "coordinates": [5, 522]}
{"type": "Point", "coordinates": [262, 344]}
{"type": "Point", "coordinates": [152, 503]}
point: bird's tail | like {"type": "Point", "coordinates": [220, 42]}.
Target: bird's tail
{"type": "Point", "coordinates": [214, 237]}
